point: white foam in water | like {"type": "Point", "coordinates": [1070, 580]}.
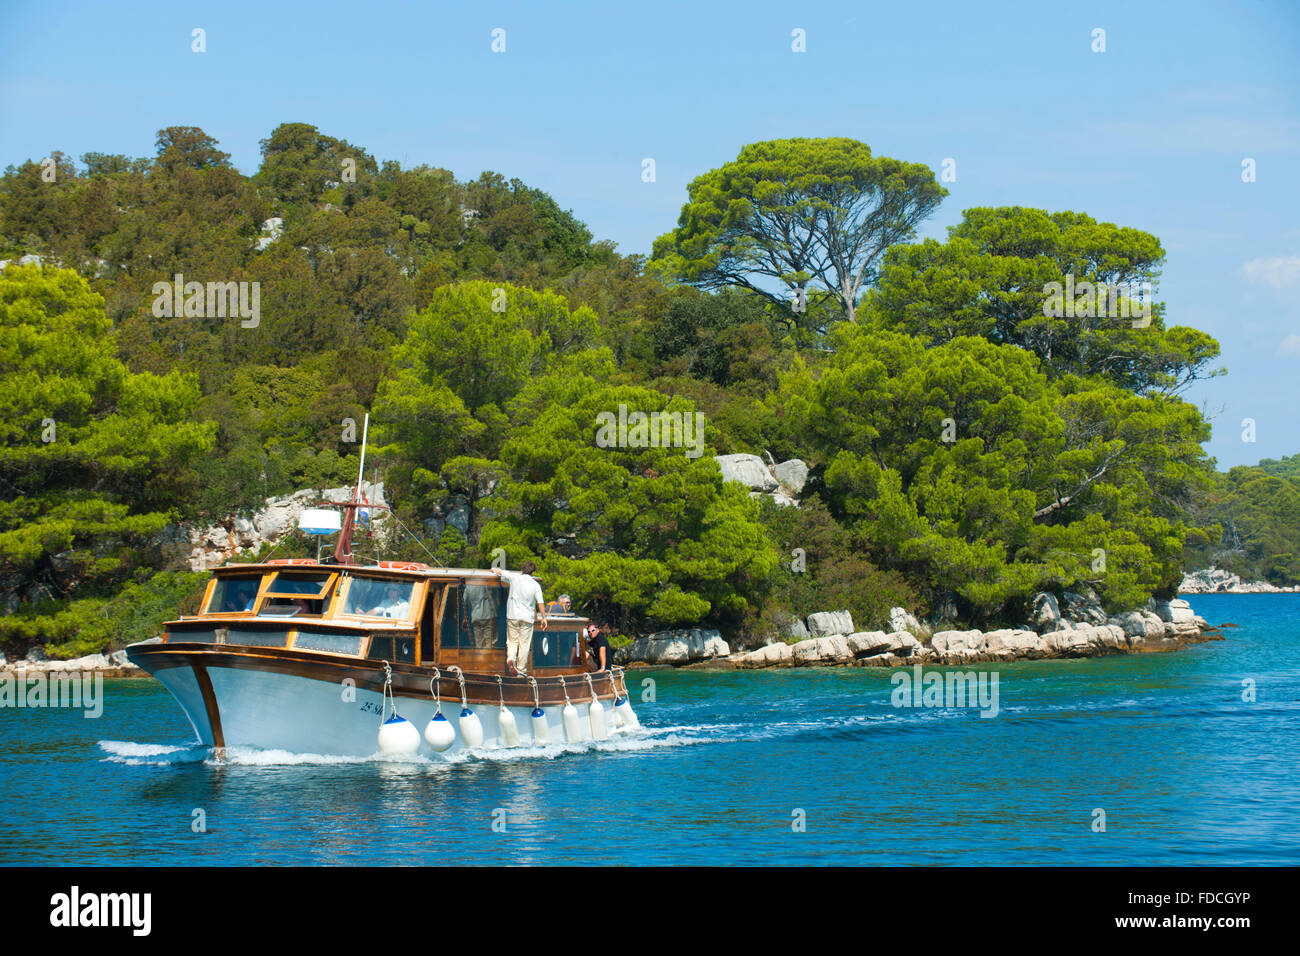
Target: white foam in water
{"type": "Point", "coordinates": [151, 755]}
{"type": "Point", "coordinates": [127, 748]}
{"type": "Point", "coordinates": [643, 738]}
{"type": "Point", "coordinates": [252, 757]}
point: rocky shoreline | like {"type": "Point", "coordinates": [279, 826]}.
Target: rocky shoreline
{"type": "Point", "coordinates": [831, 641]}
{"type": "Point", "coordinates": [106, 665]}
{"type": "Point", "coordinates": [828, 638]}
{"type": "Point", "coordinates": [1216, 581]}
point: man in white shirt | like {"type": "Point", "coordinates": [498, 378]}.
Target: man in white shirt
{"type": "Point", "coordinates": [394, 602]}
{"type": "Point", "coordinates": [525, 598]}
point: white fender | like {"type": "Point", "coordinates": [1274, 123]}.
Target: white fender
{"type": "Point", "coordinates": [439, 733]}
{"type": "Point", "coordinates": [471, 731]}
{"type": "Point", "coordinates": [624, 711]}
{"type": "Point", "coordinates": [541, 732]}
{"type": "Point", "coordinates": [572, 727]}
{"type": "Point", "coordinates": [398, 737]}
{"type": "Point", "coordinates": [509, 729]}
{"type": "Point", "coordinates": [596, 717]}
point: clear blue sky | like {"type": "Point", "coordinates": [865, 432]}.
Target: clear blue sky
{"type": "Point", "coordinates": [1149, 134]}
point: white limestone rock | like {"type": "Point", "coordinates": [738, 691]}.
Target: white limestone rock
{"type": "Point", "coordinates": [211, 546]}
{"type": "Point", "coordinates": [683, 646]}
{"type": "Point", "coordinates": [824, 623]}
{"type": "Point", "coordinates": [887, 659]}
{"type": "Point", "coordinates": [822, 650]}
{"type": "Point", "coordinates": [958, 646]}
{"type": "Point", "coordinates": [1110, 637]}
{"type": "Point", "coordinates": [1209, 581]}
{"type": "Point", "coordinates": [1176, 611]}
{"type": "Point", "coordinates": [1046, 613]}
{"type": "Point", "coordinates": [772, 655]}
{"type": "Point", "coordinates": [1014, 644]}
{"type": "Point", "coordinates": [901, 620]}
{"type": "Point", "coordinates": [1067, 644]}
{"type": "Point", "coordinates": [749, 470]}
{"type": "Point", "coordinates": [119, 659]}
{"type": "Point", "coordinates": [901, 644]}
{"type": "Point", "coordinates": [793, 474]}
{"type": "Point", "coordinates": [924, 654]}
{"type": "Point", "coordinates": [1138, 625]}
{"type": "Point", "coordinates": [1084, 608]}
{"type": "Point", "coordinates": [1086, 641]}
{"type": "Point", "coordinates": [91, 662]}
{"type": "Point", "coordinates": [866, 643]}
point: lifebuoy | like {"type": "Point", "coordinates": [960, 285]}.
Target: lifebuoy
{"type": "Point", "coordinates": [292, 561]}
{"type": "Point", "coordinates": [403, 566]}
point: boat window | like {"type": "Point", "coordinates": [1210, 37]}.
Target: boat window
{"type": "Point", "coordinates": [329, 642]}
{"type": "Point", "coordinates": [554, 648]}
{"type": "Point", "coordinates": [234, 594]}
{"type": "Point", "coordinates": [253, 638]}
{"type": "Point", "coordinates": [483, 616]}
{"type": "Point", "coordinates": [193, 637]}
{"type": "Point", "coordinates": [288, 607]}
{"type": "Point", "coordinates": [380, 597]}
{"type": "Point", "coordinates": [381, 648]}
{"type": "Point", "coordinates": [451, 619]}
{"type": "Point", "coordinates": [313, 585]}
{"type": "Point", "coordinates": [405, 649]}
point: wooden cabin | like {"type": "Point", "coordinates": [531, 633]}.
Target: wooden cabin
{"type": "Point", "coordinates": [394, 611]}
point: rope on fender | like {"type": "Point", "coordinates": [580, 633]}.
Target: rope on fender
{"type": "Point", "coordinates": [388, 695]}
{"type": "Point", "coordinates": [460, 676]}
{"type": "Point", "coordinates": [436, 691]}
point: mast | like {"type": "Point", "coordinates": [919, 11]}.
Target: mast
{"type": "Point", "coordinates": [343, 550]}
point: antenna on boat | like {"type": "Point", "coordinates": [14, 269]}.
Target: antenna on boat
{"type": "Point", "coordinates": [361, 471]}
{"type": "Point", "coordinates": [343, 550]}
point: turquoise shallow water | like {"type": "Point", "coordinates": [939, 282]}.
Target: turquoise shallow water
{"type": "Point", "coordinates": [1184, 769]}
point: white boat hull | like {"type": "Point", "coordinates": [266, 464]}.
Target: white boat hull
{"type": "Point", "coordinates": [277, 711]}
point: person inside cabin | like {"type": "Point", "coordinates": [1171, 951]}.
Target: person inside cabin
{"type": "Point", "coordinates": [559, 607]}
{"type": "Point", "coordinates": [482, 614]}
{"type": "Point", "coordinates": [524, 601]}
{"type": "Point", "coordinates": [394, 602]}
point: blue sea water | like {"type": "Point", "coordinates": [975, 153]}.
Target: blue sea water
{"type": "Point", "coordinates": [811, 766]}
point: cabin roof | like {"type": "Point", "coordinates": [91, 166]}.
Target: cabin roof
{"type": "Point", "coordinates": [429, 572]}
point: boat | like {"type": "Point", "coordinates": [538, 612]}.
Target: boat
{"type": "Point", "coordinates": [331, 656]}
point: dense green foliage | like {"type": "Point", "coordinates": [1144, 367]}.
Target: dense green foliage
{"type": "Point", "coordinates": [92, 456]}
{"type": "Point", "coordinates": [823, 565]}
{"type": "Point", "coordinates": [966, 448]}
{"type": "Point", "coordinates": [989, 278]}
{"type": "Point", "coordinates": [1248, 522]}
{"type": "Point", "coordinates": [804, 214]}
{"type": "Point", "coordinates": [1288, 468]}
{"type": "Point", "coordinates": [965, 467]}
